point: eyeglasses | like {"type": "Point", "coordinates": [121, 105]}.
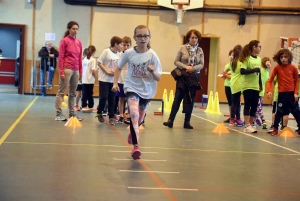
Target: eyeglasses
{"type": "Point", "coordinates": [140, 37]}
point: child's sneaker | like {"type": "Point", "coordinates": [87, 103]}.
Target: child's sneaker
{"type": "Point", "coordinates": [270, 129]}
{"type": "Point", "coordinates": [250, 129]}
{"type": "Point", "coordinates": [100, 118]}
{"type": "Point", "coordinates": [60, 117]}
{"type": "Point", "coordinates": [111, 121]}
{"type": "Point", "coordinates": [239, 123]}
{"type": "Point", "coordinates": [77, 108]}
{"type": "Point", "coordinates": [127, 121]}
{"type": "Point", "coordinates": [129, 138]}
{"type": "Point", "coordinates": [231, 122]}
{"type": "Point", "coordinates": [136, 153]}
{"type": "Point", "coordinates": [121, 120]}
{"type": "Point", "coordinates": [274, 132]}
{"type": "Point", "coordinates": [264, 125]}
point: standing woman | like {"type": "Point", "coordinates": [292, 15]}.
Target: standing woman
{"type": "Point", "coordinates": [70, 69]}
{"type": "Point", "coordinates": [251, 82]}
{"type": "Point", "coordinates": [190, 59]}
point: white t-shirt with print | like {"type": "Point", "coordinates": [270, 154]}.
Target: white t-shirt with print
{"type": "Point", "coordinates": [139, 79]}
{"type": "Point", "coordinates": [109, 59]}
{"type": "Point", "coordinates": [88, 65]}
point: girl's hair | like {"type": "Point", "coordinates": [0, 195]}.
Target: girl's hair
{"type": "Point", "coordinates": [264, 60]}
{"type": "Point", "coordinates": [91, 50]}
{"type": "Point", "coordinates": [247, 50]}
{"type": "Point", "coordinates": [69, 26]}
{"type": "Point", "coordinates": [230, 52]}
{"type": "Point", "coordinates": [236, 55]}
{"type": "Point", "coordinates": [277, 56]}
{"type": "Point", "coordinates": [143, 27]}
{"type": "Point", "coordinates": [85, 52]}
{"type": "Point", "coordinates": [190, 32]}
{"type": "Point", "coordinates": [115, 40]}
{"type": "Point", "coordinates": [126, 39]}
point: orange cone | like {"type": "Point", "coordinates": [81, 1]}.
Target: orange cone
{"type": "Point", "coordinates": [287, 132]}
{"type": "Point", "coordinates": [220, 128]}
{"type": "Point", "coordinates": [73, 121]}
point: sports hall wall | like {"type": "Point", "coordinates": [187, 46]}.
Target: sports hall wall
{"type": "Point", "coordinates": [99, 24]}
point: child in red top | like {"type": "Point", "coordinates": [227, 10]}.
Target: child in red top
{"type": "Point", "coordinates": [287, 75]}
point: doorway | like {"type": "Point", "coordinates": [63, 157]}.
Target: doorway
{"type": "Point", "coordinates": [12, 58]}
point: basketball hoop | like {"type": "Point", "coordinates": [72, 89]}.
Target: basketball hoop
{"type": "Point", "coordinates": [180, 10]}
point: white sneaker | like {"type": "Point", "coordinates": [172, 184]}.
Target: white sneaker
{"type": "Point", "coordinates": [250, 129]}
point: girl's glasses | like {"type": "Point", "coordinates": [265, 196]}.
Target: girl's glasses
{"type": "Point", "coordinates": [140, 37]}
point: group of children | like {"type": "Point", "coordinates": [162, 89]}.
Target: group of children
{"type": "Point", "coordinates": [247, 74]}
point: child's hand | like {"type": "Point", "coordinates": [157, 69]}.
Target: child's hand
{"type": "Point", "coordinates": [296, 98]}
{"type": "Point", "coordinates": [150, 68]}
{"type": "Point", "coordinates": [115, 88]}
{"type": "Point", "coordinates": [111, 73]}
{"type": "Point", "coordinates": [269, 95]}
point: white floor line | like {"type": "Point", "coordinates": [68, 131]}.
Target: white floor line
{"type": "Point", "coordinates": [144, 152]}
{"type": "Point", "coordinates": [155, 188]}
{"type": "Point", "coordinates": [127, 159]}
{"type": "Point", "coordinates": [144, 171]}
{"type": "Point", "coordinates": [252, 135]}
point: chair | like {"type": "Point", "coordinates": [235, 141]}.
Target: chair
{"type": "Point", "coordinates": [204, 96]}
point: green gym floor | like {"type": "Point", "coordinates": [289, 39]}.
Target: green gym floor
{"type": "Point", "coordinates": [41, 159]}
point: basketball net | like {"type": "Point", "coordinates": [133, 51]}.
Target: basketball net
{"type": "Point", "coordinates": [179, 7]}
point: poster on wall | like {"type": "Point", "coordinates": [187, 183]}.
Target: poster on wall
{"type": "Point", "coordinates": [49, 36]}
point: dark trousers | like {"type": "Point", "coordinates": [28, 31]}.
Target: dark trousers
{"type": "Point", "coordinates": [87, 95]}
{"type": "Point", "coordinates": [179, 95]}
{"type": "Point", "coordinates": [235, 106]}
{"type": "Point", "coordinates": [251, 101]}
{"type": "Point", "coordinates": [106, 94]}
{"type": "Point", "coordinates": [286, 105]}
{"type": "Point", "coordinates": [228, 95]}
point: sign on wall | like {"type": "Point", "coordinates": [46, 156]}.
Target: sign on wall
{"type": "Point", "coordinates": [49, 36]}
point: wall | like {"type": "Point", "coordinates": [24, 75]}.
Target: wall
{"type": "Point", "coordinates": [99, 24]}
{"type": "Point", "coordinates": [8, 41]}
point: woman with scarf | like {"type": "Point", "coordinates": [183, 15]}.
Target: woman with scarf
{"type": "Point", "coordinates": [190, 60]}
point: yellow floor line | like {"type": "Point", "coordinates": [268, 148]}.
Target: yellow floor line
{"type": "Point", "coordinates": [11, 128]}
{"type": "Point", "coordinates": [251, 135]}
{"type": "Point", "coordinates": [160, 148]}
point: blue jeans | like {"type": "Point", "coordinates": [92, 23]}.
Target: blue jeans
{"type": "Point", "coordinates": [49, 80]}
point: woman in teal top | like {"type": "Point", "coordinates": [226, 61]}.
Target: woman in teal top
{"type": "Point", "coordinates": [227, 77]}
{"type": "Point", "coordinates": [250, 71]}
{"type": "Point", "coordinates": [235, 86]}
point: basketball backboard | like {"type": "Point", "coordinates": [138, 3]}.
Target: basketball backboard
{"type": "Point", "coordinates": [192, 4]}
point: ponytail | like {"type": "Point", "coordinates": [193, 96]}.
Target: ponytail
{"type": "Point", "coordinates": [91, 50]}
{"type": "Point", "coordinates": [236, 56]}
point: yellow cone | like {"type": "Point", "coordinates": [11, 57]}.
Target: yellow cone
{"type": "Point", "coordinates": [209, 107]}
{"type": "Point", "coordinates": [216, 105]}
{"type": "Point", "coordinates": [63, 104]}
{"type": "Point", "coordinates": [166, 101]}
{"type": "Point", "coordinates": [73, 121]}
{"type": "Point", "coordinates": [66, 97]}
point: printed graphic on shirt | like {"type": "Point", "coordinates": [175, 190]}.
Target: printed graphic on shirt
{"type": "Point", "coordinates": [140, 70]}
{"type": "Point", "coordinates": [113, 64]}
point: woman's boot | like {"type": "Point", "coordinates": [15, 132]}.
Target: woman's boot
{"type": "Point", "coordinates": [169, 123]}
{"type": "Point", "coordinates": [187, 125]}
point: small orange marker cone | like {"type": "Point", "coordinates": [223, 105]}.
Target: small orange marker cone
{"type": "Point", "coordinates": [73, 121]}
{"type": "Point", "coordinates": [287, 132]}
{"type": "Point", "coordinates": [220, 128]}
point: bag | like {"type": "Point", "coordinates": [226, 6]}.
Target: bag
{"type": "Point", "coordinates": [176, 73]}
{"type": "Point", "coordinates": [192, 80]}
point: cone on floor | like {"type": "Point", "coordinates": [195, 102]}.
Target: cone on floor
{"type": "Point", "coordinates": [221, 129]}
{"type": "Point", "coordinates": [73, 121]}
{"type": "Point", "coordinates": [216, 105]}
{"type": "Point", "coordinates": [63, 104]}
{"type": "Point", "coordinates": [287, 132]}
{"type": "Point", "coordinates": [209, 107]}
{"type": "Point", "coordinates": [141, 127]}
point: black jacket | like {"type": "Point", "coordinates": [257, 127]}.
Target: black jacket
{"type": "Point", "coordinates": [45, 57]}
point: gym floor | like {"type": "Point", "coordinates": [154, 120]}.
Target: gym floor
{"type": "Point", "coordinates": [41, 159]}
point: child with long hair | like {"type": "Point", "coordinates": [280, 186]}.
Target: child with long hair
{"type": "Point", "coordinates": [264, 72]}
{"type": "Point", "coordinates": [140, 84]}
{"type": "Point", "coordinates": [227, 77]}
{"type": "Point", "coordinates": [251, 85]}
{"type": "Point", "coordinates": [88, 80]}
{"type": "Point", "coordinates": [287, 76]}
{"type": "Point", "coordinates": [235, 86]}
